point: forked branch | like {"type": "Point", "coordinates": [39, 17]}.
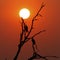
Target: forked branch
{"type": "Point", "coordinates": [34, 18]}
{"type": "Point", "coordinates": [35, 35]}
{"type": "Point", "coordinates": [37, 56]}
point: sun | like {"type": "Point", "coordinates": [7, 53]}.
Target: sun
{"type": "Point", "coordinates": [24, 13]}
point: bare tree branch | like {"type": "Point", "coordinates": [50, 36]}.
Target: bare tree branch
{"type": "Point", "coordinates": [42, 5]}
{"type": "Point", "coordinates": [37, 56]}
{"type": "Point", "coordinates": [38, 33]}
{"type": "Point", "coordinates": [34, 35]}
{"type": "Point", "coordinates": [21, 35]}
{"type": "Point", "coordinates": [52, 56]}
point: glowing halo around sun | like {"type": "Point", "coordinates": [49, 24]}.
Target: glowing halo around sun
{"type": "Point", "coordinates": [24, 13]}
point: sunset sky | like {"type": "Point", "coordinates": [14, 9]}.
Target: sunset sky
{"type": "Point", "coordinates": [48, 42]}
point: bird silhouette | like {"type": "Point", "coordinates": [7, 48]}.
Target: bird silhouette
{"type": "Point", "coordinates": [25, 27]}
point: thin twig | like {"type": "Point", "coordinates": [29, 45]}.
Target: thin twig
{"type": "Point", "coordinates": [34, 35]}
{"type": "Point", "coordinates": [38, 33]}
{"type": "Point", "coordinates": [52, 56]}
{"type": "Point", "coordinates": [42, 5]}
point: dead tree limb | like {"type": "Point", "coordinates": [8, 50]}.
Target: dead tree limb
{"type": "Point", "coordinates": [35, 35]}
{"type": "Point", "coordinates": [42, 5]}
{"type": "Point", "coordinates": [23, 41]}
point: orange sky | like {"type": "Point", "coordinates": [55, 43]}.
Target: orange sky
{"type": "Point", "coordinates": [48, 42]}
